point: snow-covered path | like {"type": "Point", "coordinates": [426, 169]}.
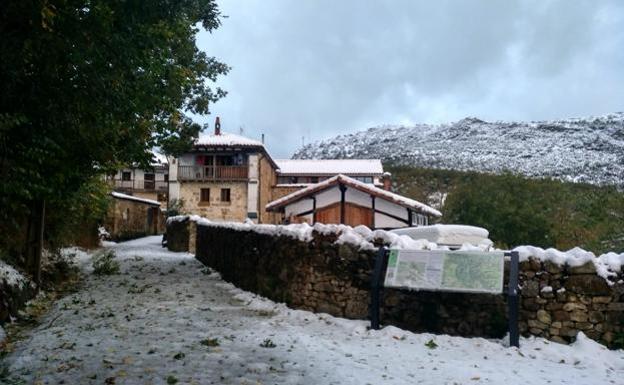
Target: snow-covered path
{"type": "Point", "coordinates": [165, 320]}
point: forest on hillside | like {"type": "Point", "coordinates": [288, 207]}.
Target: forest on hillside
{"type": "Point", "coordinates": [521, 211]}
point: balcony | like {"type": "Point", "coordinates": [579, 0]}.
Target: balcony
{"type": "Point", "coordinates": [213, 173]}
{"type": "Point", "coordinates": [140, 185]}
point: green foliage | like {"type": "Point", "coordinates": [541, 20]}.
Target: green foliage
{"type": "Point", "coordinates": [104, 263]}
{"type": "Point", "coordinates": [518, 210]}
{"type": "Point", "coordinates": [176, 207]}
{"type": "Point", "coordinates": [431, 344]}
{"type": "Point", "coordinates": [88, 86]}
{"type": "Point", "coordinates": [268, 343]}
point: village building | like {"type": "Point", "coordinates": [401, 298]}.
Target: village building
{"type": "Point", "coordinates": [225, 177]}
{"type": "Point", "coordinates": [228, 177]}
{"type": "Point", "coordinates": [132, 217]}
{"type": "Point", "coordinates": [150, 183]}
{"type": "Point", "coordinates": [346, 200]}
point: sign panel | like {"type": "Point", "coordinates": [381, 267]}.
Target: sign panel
{"type": "Point", "coordinates": [460, 271]}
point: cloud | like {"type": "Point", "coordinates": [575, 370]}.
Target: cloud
{"type": "Point", "coordinates": [321, 68]}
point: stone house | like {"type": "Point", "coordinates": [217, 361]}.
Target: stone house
{"type": "Point", "coordinates": [151, 183]}
{"type": "Point", "coordinates": [228, 177]}
{"type": "Point", "coordinates": [132, 217]}
{"type": "Point", "coordinates": [225, 177]}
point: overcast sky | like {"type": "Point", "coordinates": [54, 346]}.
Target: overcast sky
{"type": "Point", "coordinates": [316, 69]}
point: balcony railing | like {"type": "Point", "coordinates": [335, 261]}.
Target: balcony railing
{"type": "Point", "coordinates": [140, 184]}
{"type": "Point", "coordinates": [213, 173]}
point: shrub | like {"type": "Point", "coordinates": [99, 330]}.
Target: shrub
{"type": "Point", "coordinates": [104, 263]}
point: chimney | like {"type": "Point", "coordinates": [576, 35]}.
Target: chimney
{"type": "Point", "coordinates": [386, 179]}
{"type": "Point", "coordinates": [262, 138]}
{"type": "Point", "coordinates": [217, 126]}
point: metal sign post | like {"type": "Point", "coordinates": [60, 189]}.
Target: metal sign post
{"type": "Point", "coordinates": [433, 262]}
{"type": "Point", "coordinates": [512, 299]}
{"type": "Point", "coordinates": [376, 283]}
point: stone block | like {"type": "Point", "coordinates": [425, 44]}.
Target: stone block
{"type": "Point", "coordinates": [552, 268]}
{"type": "Point", "coordinates": [587, 268]}
{"type": "Point", "coordinates": [616, 306]}
{"type": "Point", "coordinates": [601, 299]}
{"type": "Point", "coordinates": [596, 316]}
{"type": "Point", "coordinates": [584, 326]}
{"type": "Point", "coordinates": [579, 316]}
{"type": "Point", "coordinates": [588, 284]}
{"type": "Point", "coordinates": [561, 315]}
{"type": "Point", "coordinates": [570, 306]}
{"type": "Point", "coordinates": [554, 306]}
{"type": "Point", "coordinates": [568, 332]}
{"type": "Point", "coordinates": [535, 324]}
{"type": "Point", "coordinates": [530, 289]}
{"type": "Point", "coordinates": [544, 317]}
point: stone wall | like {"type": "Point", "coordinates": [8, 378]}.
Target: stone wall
{"type": "Point", "coordinates": [178, 233]}
{"type": "Point", "coordinates": [559, 301]}
{"type": "Point", "coordinates": [128, 219]}
{"type": "Point", "coordinates": [235, 210]}
{"type": "Point", "coordinates": [322, 276]}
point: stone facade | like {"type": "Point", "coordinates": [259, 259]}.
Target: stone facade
{"type": "Point", "coordinates": [215, 209]}
{"type": "Point", "coordinates": [321, 276]}
{"type": "Point", "coordinates": [128, 219]}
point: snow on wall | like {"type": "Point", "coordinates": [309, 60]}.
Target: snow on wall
{"type": "Point", "coordinates": [607, 265]}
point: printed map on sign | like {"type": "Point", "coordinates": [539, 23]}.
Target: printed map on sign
{"type": "Point", "coordinates": [469, 271]}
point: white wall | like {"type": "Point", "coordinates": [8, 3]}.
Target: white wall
{"type": "Point", "coordinates": [391, 208]}
{"type": "Point", "coordinates": [386, 221]}
{"type": "Point", "coordinates": [328, 197]}
{"type": "Point", "coordinates": [358, 197]}
{"type": "Point", "coordinates": [298, 207]}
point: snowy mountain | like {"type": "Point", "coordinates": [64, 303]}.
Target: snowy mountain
{"type": "Point", "coordinates": [582, 150]}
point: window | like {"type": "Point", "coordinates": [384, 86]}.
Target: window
{"type": "Point", "coordinates": [365, 179]}
{"type": "Point", "coordinates": [204, 195]}
{"type": "Point", "coordinates": [314, 179]}
{"type": "Point", "coordinates": [126, 175]}
{"type": "Point", "coordinates": [225, 195]}
{"type": "Point", "coordinates": [166, 177]}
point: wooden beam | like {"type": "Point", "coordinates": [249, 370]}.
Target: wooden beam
{"type": "Point", "coordinates": [373, 208]}
{"type": "Point", "coordinates": [410, 218]}
{"type": "Point", "coordinates": [343, 189]}
{"type": "Point", "coordinates": [313, 210]}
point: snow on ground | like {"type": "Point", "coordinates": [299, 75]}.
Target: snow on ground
{"type": "Point", "coordinates": [167, 318]}
{"type": "Point", "coordinates": [11, 276]}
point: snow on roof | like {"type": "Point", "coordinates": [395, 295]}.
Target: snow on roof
{"type": "Point", "coordinates": [226, 139]}
{"type": "Point", "coordinates": [368, 188]}
{"type": "Point", "coordinates": [329, 166]}
{"type": "Point", "coordinates": [133, 198]}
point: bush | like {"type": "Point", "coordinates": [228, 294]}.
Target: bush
{"type": "Point", "coordinates": [104, 263]}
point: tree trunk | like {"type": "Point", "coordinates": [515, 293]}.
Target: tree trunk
{"type": "Point", "coordinates": [35, 241]}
